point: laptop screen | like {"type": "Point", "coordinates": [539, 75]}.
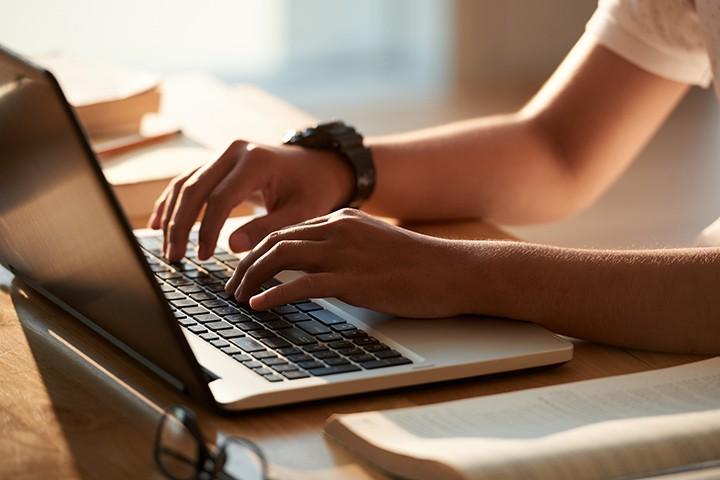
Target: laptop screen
{"type": "Point", "coordinates": [61, 229]}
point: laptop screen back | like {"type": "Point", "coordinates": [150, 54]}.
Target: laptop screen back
{"type": "Point", "coordinates": [61, 230]}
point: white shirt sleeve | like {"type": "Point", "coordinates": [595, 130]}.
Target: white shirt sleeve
{"type": "Point", "coordinates": [663, 37]}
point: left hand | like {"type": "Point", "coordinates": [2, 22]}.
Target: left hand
{"type": "Point", "coordinates": [362, 261]}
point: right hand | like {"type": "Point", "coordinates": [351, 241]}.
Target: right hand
{"type": "Point", "coordinates": [294, 183]}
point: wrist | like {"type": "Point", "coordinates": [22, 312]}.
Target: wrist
{"type": "Point", "coordinates": [341, 178]}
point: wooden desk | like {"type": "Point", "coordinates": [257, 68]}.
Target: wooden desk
{"type": "Point", "coordinates": [73, 406]}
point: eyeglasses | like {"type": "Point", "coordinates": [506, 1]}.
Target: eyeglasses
{"type": "Point", "coordinates": [181, 453]}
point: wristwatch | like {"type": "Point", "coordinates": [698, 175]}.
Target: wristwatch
{"type": "Point", "coordinates": [343, 139]}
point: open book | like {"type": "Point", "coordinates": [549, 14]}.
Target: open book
{"type": "Point", "coordinates": [614, 427]}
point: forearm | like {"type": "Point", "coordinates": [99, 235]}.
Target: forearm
{"type": "Point", "coordinates": [572, 140]}
{"type": "Point", "coordinates": [494, 168]}
{"type": "Point", "coordinates": [656, 299]}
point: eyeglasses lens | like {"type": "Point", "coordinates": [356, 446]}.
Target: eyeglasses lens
{"type": "Point", "coordinates": [178, 447]}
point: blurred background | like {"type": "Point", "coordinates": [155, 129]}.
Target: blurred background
{"type": "Point", "coordinates": [389, 66]}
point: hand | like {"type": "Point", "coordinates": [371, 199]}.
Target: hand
{"type": "Point", "coordinates": [294, 184]}
{"type": "Point", "coordinates": [362, 261]}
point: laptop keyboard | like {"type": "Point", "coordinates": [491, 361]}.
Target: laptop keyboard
{"type": "Point", "coordinates": [289, 342]}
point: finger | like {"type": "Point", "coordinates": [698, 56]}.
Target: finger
{"type": "Point", "coordinates": [308, 233]}
{"type": "Point", "coordinates": [242, 181]}
{"type": "Point", "coordinates": [168, 206]}
{"type": "Point", "coordinates": [250, 234]}
{"type": "Point", "coordinates": [301, 255]}
{"type": "Point", "coordinates": [155, 220]}
{"type": "Point", "coordinates": [312, 285]}
{"type": "Point", "coordinates": [192, 197]}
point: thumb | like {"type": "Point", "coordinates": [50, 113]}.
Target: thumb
{"type": "Point", "coordinates": [250, 234]}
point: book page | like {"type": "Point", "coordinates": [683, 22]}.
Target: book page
{"type": "Point", "coordinates": [605, 428]}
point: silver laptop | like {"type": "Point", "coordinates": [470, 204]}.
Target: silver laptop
{"type": "Point", "coordinates": [63, 233]}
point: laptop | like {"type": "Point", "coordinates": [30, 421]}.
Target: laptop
{"type": "Point", "coordinates": [64, 234]}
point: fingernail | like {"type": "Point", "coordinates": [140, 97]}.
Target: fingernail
{"type": "Point", "coordinates": [240, 242]}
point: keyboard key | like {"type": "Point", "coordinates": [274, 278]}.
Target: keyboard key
{"type": "Point", "coordinates": [284, 309]}
{"type": "Point", "coordinates": [178, 314]}
{"type": "Point", "coordinates": [361, 358]}
{"type": "Point", "coordinates": [296, 317]}
{"type": "Point", "coordinates": [284, 368]}
{"type": "Point", "coordinates": [219, 343]}
{"type": "Point", "coordinates": [226, 310]}
{"type": "Point", "coordinates": [190, 289]}
{"type": "Point", "coordinates": [340, 344]}
{"type": "Point", "coordinates": [313, 328]}
{"type": "Point", "coordinates": [248, 326]}
{"type": "Point", "coordinates": [326, 317]}
{"type": "Point", "coordinates": [265, 316]}
{"type": "Point", "coordinates": [186, 322]}
{"type": "Point", "coordinates": [183, 303]}
{"type": "Point", "coordinates": [214, 303]}
{"type": "Point", "coordinates": [273, 378]}
{"type": "Point", "coordinates": [200, 296]}
{"type": "Point", "coordinates": [254, 364]}
{"type": "Point", "coordinates": [354, 334]}
{"type": "Point", "coordinates": [208, 336]}
{"type": "Point", "coordinates": [223, 275]}
{"type": "Point", "coordinates": [226, 257]}
{"type": "Point", "coordinates": [247, 344]}
{"type": "Point", "coordinates": [218, 326]}
{"type": "Point", "coordinates": [261, 333]}
{"type": "Point", "coordinates": [164, 287]}
{"type": "Point", "coordinates": [336, 361]}
{"type": "Point", "coordinates": [310, 364]}
{"type": "Point", "coordinates": [316, 348]}
{"type": "Point", "coordinates": [174, 295]}
{"type": "Point", "coordinates": [376, 347]}
{"type": "Point", "coordinates": [205, 318]}
{"type": "Point", "coordinates": [297, 336]}
{"type": "Point", "coordinates": [343, 327]}
{"type": "Point", "coordinates": [330, 337]}
{"type": "Point", "coordinates": [288, 350]}
{"type": "Point", "coordinates": [364, 341]}
{"type": "Point", "coordinates": [197, 329]}
{"type": "Point", "coordinates": [387, 354]}
{"type": "Point", "coordinates": [240, 357]}
{"type": "Point", "coordinates": [276, 343]}
{"type": "Point", "coordinates": [319, 372]}
{"type": "Point", "coordinates": [264, 354]}
{"type": "Point", "coordinates": [308, 307]}
{"type": "Point", "coordinates": [179, 281]}
{"type": "Point", "coordinates": [231, 350]}
{"type": "Point", "coordinates": [274, 361]}
{"type": "Point", "coordinates": [295, 374]}
{"type": "Point", "coordinates": [195, 311]}
{"type": "Point", "coordinates": [326, 354]}
{"type": "Point", "coordinates": [207, 280]}
{"type": "Point", "coordinates": [168, 275]}
{"type": "Point", "coordinates": [264, 371]}
{"type": "Point", "coordinates": [299, 357]}
{"type": "Point", "coordinates": [350, 351]}
{"type": "Point", "coordinates": [237, 317]}
{"type": "Point", "coordinates": [231, 333]}
{"type": "Point", "coordinates": [216, 287]}
{"type": "Point", "coordinates": [278, 324]}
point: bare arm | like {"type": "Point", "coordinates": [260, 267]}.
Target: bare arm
{"type": "Point", "coordinates": [665, 300]}
{"type": "Point", "coordinates": [555, 156]}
